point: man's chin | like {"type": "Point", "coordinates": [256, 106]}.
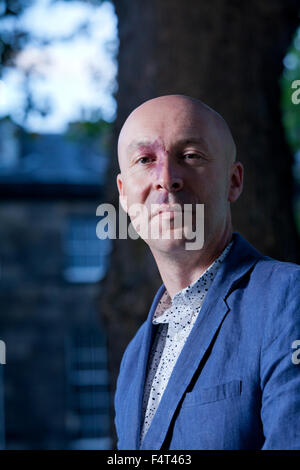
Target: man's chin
{"type": "Point", "coordinates": [166, 245]}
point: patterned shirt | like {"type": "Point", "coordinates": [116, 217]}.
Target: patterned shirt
{"type": "Point", "coordinates": [176, 319]}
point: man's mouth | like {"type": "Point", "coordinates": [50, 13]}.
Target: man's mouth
{"type": "Point", "coordinates": [172, 209]}
{"type": "Point", "coordinates": [166, 208]}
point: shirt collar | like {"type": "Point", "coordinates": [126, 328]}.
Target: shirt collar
{"type": "Point", "coordinates": [191, 297]}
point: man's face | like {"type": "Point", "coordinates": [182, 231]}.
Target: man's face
{"type": "Point", "coordinates": [173, 152]}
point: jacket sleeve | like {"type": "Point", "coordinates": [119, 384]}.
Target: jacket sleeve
{"type": "Point", "coordinates": [118, 399]}
{"type": "Point", "coordinates": [127, 370]}
{"type": "Point", "coordinates": [280, 368]}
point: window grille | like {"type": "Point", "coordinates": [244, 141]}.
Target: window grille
{"type": "Point", "coordinates": [88, 397]}
{"type": "Point", "coordinates": [2, 417]}
{"type": "Point", "coordinates": [86, 256]}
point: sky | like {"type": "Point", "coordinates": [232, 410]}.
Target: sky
{"type": "Point", "coordinates": [70, 75]}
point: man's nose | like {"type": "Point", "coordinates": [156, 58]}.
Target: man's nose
{"type": "Point", "coordinates": [169, 179]}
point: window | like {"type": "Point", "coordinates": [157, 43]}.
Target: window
{"type": "Point", "coordinates": [2, 420]}
{"type": "Point", "coordinates": [88, 397]}
{"type": "Point", "coordinates": [86, 255]}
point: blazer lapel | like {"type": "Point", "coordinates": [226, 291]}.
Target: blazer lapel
{"type": "Point", "coordinates": [214, 309]}
{"type": "Point", "coordinates": [133, 405]}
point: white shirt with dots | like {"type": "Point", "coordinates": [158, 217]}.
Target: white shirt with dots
{"type": "Point", "coordinates": [176, 319]}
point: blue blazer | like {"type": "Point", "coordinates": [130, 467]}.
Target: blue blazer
{"type": "Point", "coordinates": [234, 385]}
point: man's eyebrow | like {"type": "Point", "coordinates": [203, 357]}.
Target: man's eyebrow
{"type": "Point", "coordinates": [135, 144]}
{"type": "Point", "coordinates": [192, 140]}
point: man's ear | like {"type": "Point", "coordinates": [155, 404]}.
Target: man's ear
{"type": "Point", "coordinates": [122, 197]}
{"type": "Point", "coordinates": [236, 181]}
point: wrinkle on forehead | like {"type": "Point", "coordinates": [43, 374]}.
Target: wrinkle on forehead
{"type": "Point", "coordinates": [160, 114]}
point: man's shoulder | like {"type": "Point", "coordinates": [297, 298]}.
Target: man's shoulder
{"type": "Point", "coordinates": [135, 343]}
{"type": "Point", "coordinates": [266, 267]}
{"type": "Point", "coordinates": [273, 270]}
{"type": "Point", "coordinates": [273, 297]}
{"type": "Point", "coordinates": [133, 349]}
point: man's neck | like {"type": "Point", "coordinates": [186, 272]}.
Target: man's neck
{"type": "Point", "coordinates": [181, 269]}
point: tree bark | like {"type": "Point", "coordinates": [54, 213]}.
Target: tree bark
{"type": "Point", "coordinates": [228, 54]}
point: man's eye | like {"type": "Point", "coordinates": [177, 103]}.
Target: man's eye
{"type": "Point", "coordinates": [144, 160]}
{"type": "Point", "coordinates": [191, 156]}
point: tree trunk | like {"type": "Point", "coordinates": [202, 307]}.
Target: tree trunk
{"type": "Point", "coordinates": [228, 54]}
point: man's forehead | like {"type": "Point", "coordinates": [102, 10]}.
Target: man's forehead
{"type": "Point", "coordinates": [167, 127]}
{"type": "Point", "coordinates": [170, 119]}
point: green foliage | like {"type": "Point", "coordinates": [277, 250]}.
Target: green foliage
{"type": "Point", "coordinates": [12, 38]}
{"type": "Point", "coordinates": [291, 111]}
{"type": "Point", "coordinates": [84, 130]}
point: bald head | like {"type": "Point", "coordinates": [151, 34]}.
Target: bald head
{"type": "Point", "coordinates": [165, 112]}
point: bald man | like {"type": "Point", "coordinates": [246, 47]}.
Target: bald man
{"type": "Point", "coordinates": [215, 364]}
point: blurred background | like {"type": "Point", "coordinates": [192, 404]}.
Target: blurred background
{"type": "Point", "coordinates": [71, 71]}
